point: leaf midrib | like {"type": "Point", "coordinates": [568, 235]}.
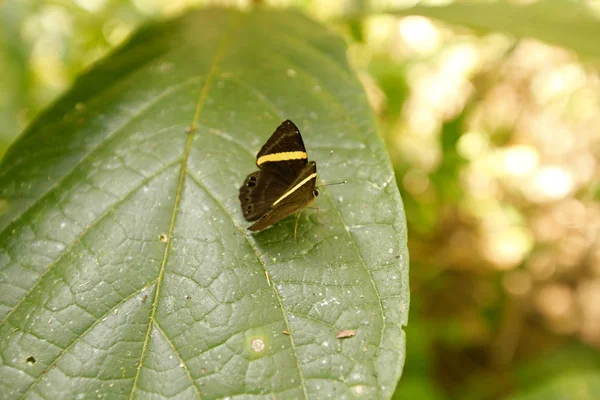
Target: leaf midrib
{"type": "Point", "coordinates": [222, 47]}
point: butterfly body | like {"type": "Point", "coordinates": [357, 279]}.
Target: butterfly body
{"type": "Point", "coordinates": [285, 182]}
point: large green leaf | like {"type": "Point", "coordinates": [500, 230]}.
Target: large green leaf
{"type": "Point", "coordinates": [566, 23]}
{"type": "Point", "coordinates": [126, 268]}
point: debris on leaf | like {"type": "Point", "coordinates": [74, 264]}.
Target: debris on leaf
{"type": "Point", "coordinates": [346, 333]}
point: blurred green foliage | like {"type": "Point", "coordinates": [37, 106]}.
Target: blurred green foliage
{"type": "Point", "coordinates": [495, 142]}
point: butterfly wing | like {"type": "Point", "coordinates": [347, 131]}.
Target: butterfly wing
{"type": "Point", "coordinates": [299, 194]}
{"type": "Point", "coordinates": [280, 160]}
{"type": "Point", "coordinates": [284, 154]}
{"type": "Point", "coordinates": [258, 193]}
{"type": "Point", "coordinates": [283, 164]}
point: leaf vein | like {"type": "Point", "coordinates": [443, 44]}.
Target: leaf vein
{"type": "Point", "coordinates": [143, 109]}
{"type": "Point", "coordinates": [273, 286]}
{"type": "Point", "coordinates": [100, 218]}
{"type": "Point", "coordinates": [88, 329]}
{"type": "Point", "coordinates": [183, 364]}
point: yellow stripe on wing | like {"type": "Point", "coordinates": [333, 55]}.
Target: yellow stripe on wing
{"type": "Point", "coordinates": [285, 156]}
{"type": "Point", "coordinates": [298, 186]}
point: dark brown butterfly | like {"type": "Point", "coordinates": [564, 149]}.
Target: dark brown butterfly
{"type": "Point", "coordinates": [285, 182]}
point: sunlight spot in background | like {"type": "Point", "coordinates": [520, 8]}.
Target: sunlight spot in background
{"type": "Point", "coordinates": [423, 122]}
{"type": "Point", "coordinates": [594, 260]}
{"type": "Point", "coordinates": [542, 265]}
{"type": "Point", "coordinates": [174, 7]}
{"type": "Point", "coordinates": [517, 283]}
{"type": "Point", "coordinates": [115, 31]}
{"type": "Point", "coordinates": [588, 299]}
{"type": "Point", "coordinates": [417, 147]}
{"type": "Point", "coordinates": [501, 106]}
{"type": "Point", "coordinates": [419, 34]}
{"type": "Point", "coordinates": [507, 247]}
{"type": "Point", "coordinates": [549, 183]}
{"type": "Point", "coordinates": [582, 166]}
{"type": "Point", "coordinates": [47, 64]}
{"type": "Point", "coordinates": [556, 82]}
{"type": "Point", "coordinates": [48, 33]}
{"type": "Point", "coordinates": [461, 60]}
{"type": "Point", "coordinates": [378, 31]}
{"type": "Point", "coordinates": [555, 300]}
{"type": "Point", "coordinates": [473, 144]}
{"type": "Point", "coordinates": [148, 7]}
{"type": "Point", "coordinates": [416, 181]}
{"type": "Point", "coordinates": [479, 183]}
{"type": "Point", "coordinates": [556, 303]}
{"type": "Point", "coordinates": [55, 21]}
{"type": "Point", "coordinates": [444, 87]}
{"type": "Point", "coordinates": [91, 5]}
{"type": "Point", "coordinates": [519, 160]}
{"type": "Point", "coordinates": [375, 95]}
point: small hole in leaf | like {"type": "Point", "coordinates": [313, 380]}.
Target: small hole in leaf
{"type": "Point", "coordinates": [31, 360]}
{"type": "Point", "coordinates": [163, 237]}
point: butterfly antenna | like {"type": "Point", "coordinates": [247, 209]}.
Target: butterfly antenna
{"type": "Point", "coordinates": [328, 158]}
{"type": "Point", "coordinates": [333, 183]}
{"type": "Point", "coordinates": [326, 164]}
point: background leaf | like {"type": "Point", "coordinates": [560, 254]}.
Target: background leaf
{"type": "Point", "coordinates": [564, 23]}
{"type": "Point", "coordinates": [575, 387]}
{"type": "Point", "coordinates": [126, 269]}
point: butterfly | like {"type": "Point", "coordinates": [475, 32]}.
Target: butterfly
{"type": "Point", "coordinates": [285, 182]}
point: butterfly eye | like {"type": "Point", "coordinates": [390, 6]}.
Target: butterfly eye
{"type": "Point", "coordinates": [316, 192]}
{"type": "Point", "coordinates": [251, 184]}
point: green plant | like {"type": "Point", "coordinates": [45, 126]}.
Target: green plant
{"type": "Point", "coordinates": [126, 269]}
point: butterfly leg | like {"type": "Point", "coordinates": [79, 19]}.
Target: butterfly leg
{"type": "Point", "coordinates": [296, 226]}
{"type": "Point", "coordinates": [318, 211]}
